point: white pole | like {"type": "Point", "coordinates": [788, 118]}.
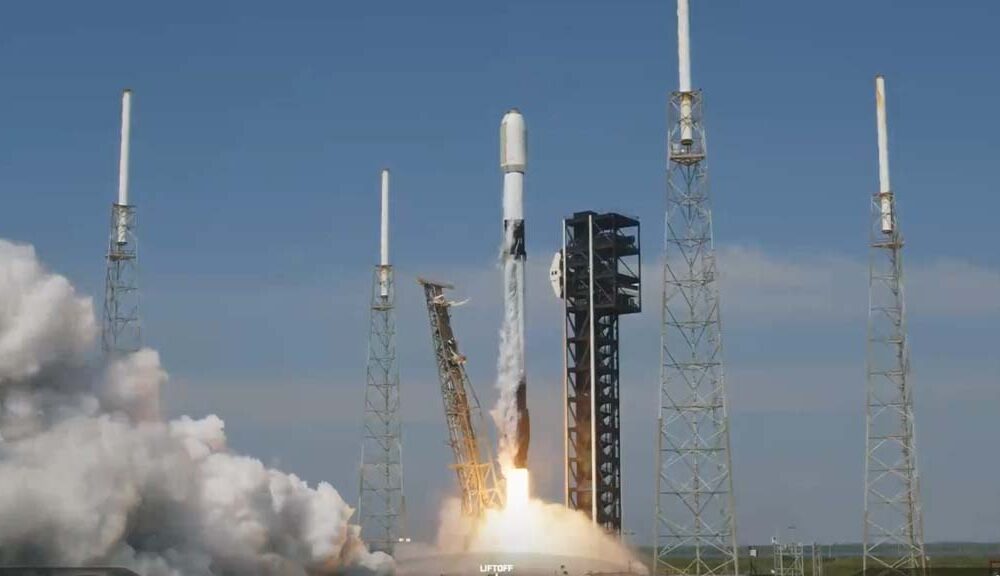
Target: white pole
{"type": "Point", "coordinates": [885, 188]}
{"type": "Point", "coordinates": [384, 240]}
{"type": "Point", "coordinates": [683, 45]}
{"type": "Point", "coordinates": [123, 158]}
{"type": "Point", "coordinates": [684, 70]}
{"type": "Point", "coordinates": [385, 218]}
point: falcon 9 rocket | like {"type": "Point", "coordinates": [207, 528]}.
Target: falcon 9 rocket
{"type": "Point", "coordinates": [513, 161]}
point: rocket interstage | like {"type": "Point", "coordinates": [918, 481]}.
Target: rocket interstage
{"type": "Point", "coordinates": [513, 161]}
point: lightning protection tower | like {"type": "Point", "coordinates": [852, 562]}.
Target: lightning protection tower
{"type": "Point", "coordinates": [601, 276]}
{"type": "Point", "coordinates": [695, 525]}
{"type": "Point", "coordinates": [893, 531]}
{"type": "Point", "coordinates": [120, 331]}
{"type": "Point", "coordinates": [381, 504]}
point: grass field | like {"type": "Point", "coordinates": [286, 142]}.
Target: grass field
{"type": "Point", "coordinates": [945, 559]}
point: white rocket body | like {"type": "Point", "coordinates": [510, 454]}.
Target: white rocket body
{"type": "Point", "coordinates": [513, 161]}
{"type": "Point", "coordinates": [885, 188]}
{"type": "Point", "coordinates": [384, 239]}
{"type": "Point", "coordinates": [684, 71]}
{"type": "Point", "coordinates": [121, 229]}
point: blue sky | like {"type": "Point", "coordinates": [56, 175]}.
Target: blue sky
{"type": "Point", "coordinates": [259, 130]}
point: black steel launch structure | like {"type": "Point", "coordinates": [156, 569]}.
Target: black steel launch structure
{"type": "Point", "coordinates": [601, 278]}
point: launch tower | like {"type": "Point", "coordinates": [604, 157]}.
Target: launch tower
{"type": "Point", "coordinates": [473, 460]}
{"type": "Point", "coordinates": [601, 276]}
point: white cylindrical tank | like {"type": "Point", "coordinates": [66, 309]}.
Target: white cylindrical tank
{"type": "Point", "coordinates": [513, 161]}
{"type": "Point", "coordinates": [885, 187]}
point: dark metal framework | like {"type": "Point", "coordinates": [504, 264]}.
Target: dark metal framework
{"type": "Point", "coordinates": [120, 329]}
{"type": "Point", "coordinates": [473, 460]}
{"type": "Point", "coordinates": [601, 281]}
{"type": "Point", "coordinates": [381, 503]}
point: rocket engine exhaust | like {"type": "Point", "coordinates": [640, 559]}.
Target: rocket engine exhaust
{"type": "Point", "coordinates": [513, 160]}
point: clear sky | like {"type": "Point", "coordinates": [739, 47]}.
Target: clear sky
{"type": "Point", "coordinates": [259, 129]}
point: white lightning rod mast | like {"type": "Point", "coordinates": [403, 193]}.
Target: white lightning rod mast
{"type": "Point", "coordinates": [384, 260]}
{"type": "Point", "coordinates": [381, 504]}
{"type": "Point", "coordinates": [684, 70]}
{"type": "Point", "coordinates": [885, 189]}
{"type": "Point", "coordinates": [121, 333]}
{"type": "Point", "coordinates": [122, 227]}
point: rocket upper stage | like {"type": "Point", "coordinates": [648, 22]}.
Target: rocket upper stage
{"type": "Point", "coordinates": [513, 161]}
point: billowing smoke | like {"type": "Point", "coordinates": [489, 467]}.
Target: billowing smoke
{"type": "Point", "coordinates": [510, 360]}
{"type": "Point", "coordinates": [91, 474]}
{"type": "Point", "coordinates": [537, 528]}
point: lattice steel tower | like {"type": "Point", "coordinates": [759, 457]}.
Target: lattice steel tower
{"type": "Point", "coordinates": [787, 559]}
{"type": "Point", "coordinates": [381, 504]}
{"type": "Point", "coordinates": [120, 329]}
{"type": "Point", "coordinates": [695, 523]}
{"type": "Point", "coordinates": [893, 531]}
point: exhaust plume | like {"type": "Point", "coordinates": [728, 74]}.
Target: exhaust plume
{"type": "Point", "coordinates": [510, 363]}
{"type": "Point", "coordinates": [90, 473]}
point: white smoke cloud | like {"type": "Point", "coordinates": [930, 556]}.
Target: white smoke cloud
{"type": "Point", "coordinates": [539, 528]}
{"type": "Point", "coordinates": [42, 319]}
{"type": "Point", "coordinates": [91, 474]}
{"type": "Point", "coordinates": [510, 360]}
